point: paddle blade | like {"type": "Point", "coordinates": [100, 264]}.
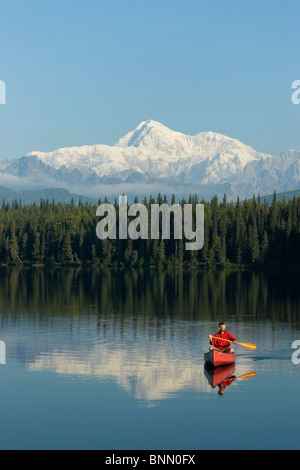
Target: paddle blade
{"type": "Point", "coordinates": [253, 347]}
{"type": "Point", "coordinates": [248, 376]}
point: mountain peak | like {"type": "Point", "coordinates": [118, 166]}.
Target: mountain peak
{"type": "Point", "coordinates": [153, 136]}
{"type": "Point", "coordinates": [151, 123]}
{"type": "Point", "coordinates": [150, 134]}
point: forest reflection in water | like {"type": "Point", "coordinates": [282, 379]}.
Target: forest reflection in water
{"type": "Point", "coordinates": [183, 295]}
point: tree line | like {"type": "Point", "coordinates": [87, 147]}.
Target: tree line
{"type": "Point", "coordinates": [246, 233]}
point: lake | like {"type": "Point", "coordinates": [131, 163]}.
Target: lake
{"type": "Point", "coordinates": [108, 359]}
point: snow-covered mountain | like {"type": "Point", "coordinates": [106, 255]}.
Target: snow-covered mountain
{"type": "Point", "coordinates": [154, 156]}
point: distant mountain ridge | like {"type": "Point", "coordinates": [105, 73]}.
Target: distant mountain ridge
{"type": "Point", "coordinates": [35, 196]}
{"type": "Point", "coordinates": [62, 195]}
{"type": "Point", "coordinates": [154, 156]}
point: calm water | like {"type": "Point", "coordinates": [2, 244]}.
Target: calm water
{"type": "Point", "coordinates": [114, 360]}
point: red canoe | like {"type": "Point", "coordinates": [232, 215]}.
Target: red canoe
{"type": "Point", "coordinates": [216, 358]}
{"type": "Point", "coordinates": [217, 375]}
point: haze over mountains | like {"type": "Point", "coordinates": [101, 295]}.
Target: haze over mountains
{"type": "Point", "coordinates": [153, 158]}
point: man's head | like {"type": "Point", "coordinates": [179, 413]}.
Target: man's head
{"type": "Point", "coordinates": [222, 327]}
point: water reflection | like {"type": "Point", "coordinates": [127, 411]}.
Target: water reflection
{"type": "Point", "coordinates": [151, 374]}
{"type": "Point", "coordinates": [148, 376]}
{"type": "Point", "coordinates": [145, 330]}
{"type": "Point", "coordinates": [223, 376]}
{"type": "Point", "coordinates": [187, 295]}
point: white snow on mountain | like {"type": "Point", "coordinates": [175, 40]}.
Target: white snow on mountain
{"type": "Point", "coordinates": [152, 153]}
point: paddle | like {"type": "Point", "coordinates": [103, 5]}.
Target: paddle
{"type": "Point", "coordinates": [245, 376]}
{"type": "Point", "coordinates": [253, 347]}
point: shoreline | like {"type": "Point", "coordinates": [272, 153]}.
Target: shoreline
{"type": "Point", "coordinates": [184, 267]}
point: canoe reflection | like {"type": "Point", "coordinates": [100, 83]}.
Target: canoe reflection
{"type": "Point", "coordinates": [223, 376]}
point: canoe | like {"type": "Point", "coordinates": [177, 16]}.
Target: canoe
{"type": "Point", "coordinates": [217, 375]}
{"type": "Point", "coordinates": [216, 358]}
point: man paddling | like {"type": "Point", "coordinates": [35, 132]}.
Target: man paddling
{"type": "Point", "coordinates": [222, 343]}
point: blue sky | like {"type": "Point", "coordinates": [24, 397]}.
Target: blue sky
{"type": "Point", "coordinates": [88, 71]}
